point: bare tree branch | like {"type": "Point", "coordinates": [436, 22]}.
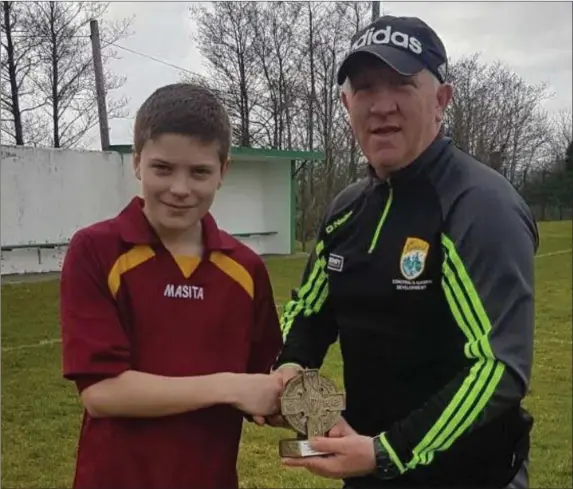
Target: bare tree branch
{"type": "Point", "coordinates": [60, 81]}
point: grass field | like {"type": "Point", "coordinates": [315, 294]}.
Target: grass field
{"type": "Point", "coordinates": [41, 413]}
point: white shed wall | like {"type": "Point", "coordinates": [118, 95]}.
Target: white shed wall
{"type": "Point", "coordinates": [48, 194]}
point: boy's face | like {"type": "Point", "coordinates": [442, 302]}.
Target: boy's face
{"type": "Point", "coordinates": [179, 178]}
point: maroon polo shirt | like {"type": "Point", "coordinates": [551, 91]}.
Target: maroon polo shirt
{"type": "Point", "coordinates": [127, 303]}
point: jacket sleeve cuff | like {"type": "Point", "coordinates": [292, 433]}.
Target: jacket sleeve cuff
{"type": "Point", "coordinates": [391, 453]}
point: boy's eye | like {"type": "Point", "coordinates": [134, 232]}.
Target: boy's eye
{"type": "Point", "coordinates": [161, 168]}
{"type": "Point", "coordinates": [202, 171]}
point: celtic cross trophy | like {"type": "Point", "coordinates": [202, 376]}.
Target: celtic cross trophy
{"type": "Point", "coordinates": [311, 406]}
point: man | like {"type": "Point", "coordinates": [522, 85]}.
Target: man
{"type": "Point", "coordinates": [424, 271]}
{"type": "Point", "coordinates": [169, 324]}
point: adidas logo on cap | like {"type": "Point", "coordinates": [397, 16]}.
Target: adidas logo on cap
{"type": "Point", "coordinates": [385, 35]}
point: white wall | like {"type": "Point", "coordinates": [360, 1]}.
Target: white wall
{"type": "Point", "coordinates": [47, 194]}
{"type": "Point", "coordinates": [255, 197]}
{"type": "Point", "coordinates": [277, 207]}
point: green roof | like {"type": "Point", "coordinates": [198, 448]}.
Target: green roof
{"type": "Point", "coordinates": [244, 153]}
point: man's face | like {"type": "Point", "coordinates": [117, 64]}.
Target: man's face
{"type": "Point", "coordinates": [394, 117]}
{"type": "Point", "coordinates": [179, 178]}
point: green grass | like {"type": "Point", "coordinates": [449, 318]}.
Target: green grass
{"type": "Point", "coordinates": [41, 413]}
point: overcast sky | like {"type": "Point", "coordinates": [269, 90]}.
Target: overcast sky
{"type": "Point", "coordinates": [533, 38]}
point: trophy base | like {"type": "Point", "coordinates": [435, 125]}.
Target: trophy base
{"type": "Point", "coordinates": [297, 449]}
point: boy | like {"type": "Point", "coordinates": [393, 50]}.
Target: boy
{"type": "Point", "coordinates": [169, 325]}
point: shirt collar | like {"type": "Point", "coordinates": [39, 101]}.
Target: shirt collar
{"type": "Point", "coordinates": [135, 229]}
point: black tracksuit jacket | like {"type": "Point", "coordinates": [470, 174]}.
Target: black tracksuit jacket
{"type": "Point", "coordinates": [426, 280]}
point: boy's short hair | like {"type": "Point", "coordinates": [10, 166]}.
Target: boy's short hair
{"type": "Point", "coordinates": [187, 109]}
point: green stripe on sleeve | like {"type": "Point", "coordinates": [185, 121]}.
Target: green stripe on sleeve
{"type": "Point", "coordinates": [312, 294]}
{"type": "Point", "coordinates": [484, 376]}
{"type": "Point", "coordinates": [391, 453]}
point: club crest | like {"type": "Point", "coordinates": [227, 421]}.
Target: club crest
{"type": "Point", "coordinates": [413, 259]}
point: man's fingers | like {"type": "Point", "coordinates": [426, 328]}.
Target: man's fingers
{"type": "Point", "coordinates": [276, 421]}
{"type": "Point", "coordinates": [322, 466]}
{"type": "Point", "coordinates": [310, 463]}
{"type": "Point", "coordinates": [341, 428]}
{"type": "Point", "coordinates": [326, 445]}
{"type": "Point", "coordinates": [260, 420]}
{"type": "Point", "coordinates": [295, 462]}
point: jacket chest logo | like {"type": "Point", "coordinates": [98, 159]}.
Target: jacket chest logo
{"type": "Point", "coordinates": [335, 263]}
{"type": "Point", "coordinates": [413, 258]}
{"type": "Point", "coordinates": [183, 292]}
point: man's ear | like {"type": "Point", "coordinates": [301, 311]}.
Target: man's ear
{"type": "Point", "coordinates": [344, 99]}
{"type": "Point", "coordinates": [136, 162]}
{"type": "Point", "coordinates": [444, 97]}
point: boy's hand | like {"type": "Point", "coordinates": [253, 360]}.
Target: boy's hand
{"type": "Point", "coordinates": [284, 373]}
{"type": "Point", "coordinates": [257, 394]}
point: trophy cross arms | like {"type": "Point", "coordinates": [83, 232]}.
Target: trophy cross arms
{"type": "Point", "coordinates": [311, 403]}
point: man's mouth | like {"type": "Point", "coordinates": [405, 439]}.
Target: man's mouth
{"type": "Point", "coordinates": [385, 130]}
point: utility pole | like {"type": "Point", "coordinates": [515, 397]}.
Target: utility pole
{"type": "Point", "coordinates": [100, 85]}
{"type": "Point", "coordinates": [375, 10]}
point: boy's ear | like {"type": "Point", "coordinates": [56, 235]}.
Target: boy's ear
{"type": "Point", "coordinates": [224, 168]}
{"type": "Point", "coordinates": [136, 162]}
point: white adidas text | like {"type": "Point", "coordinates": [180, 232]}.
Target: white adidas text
{"type": "Point", "coordinates": [184, 291]}
{"type": "Point", "coordinates": [386, 36]}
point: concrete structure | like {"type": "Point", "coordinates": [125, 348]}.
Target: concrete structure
{"type": "Point", "coordinates": [48, 194]}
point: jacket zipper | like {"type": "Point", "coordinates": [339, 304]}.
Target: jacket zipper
{"type": "Point", "coordinates": [382, 218]}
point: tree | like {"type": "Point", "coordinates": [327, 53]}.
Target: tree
{"type": "Point", "coordinates": [569, 158]}
{"type": "Point", "coordinates": [275, 27]}
{"type": "Point", "coordinates": [63, 78]}
{"type": "Point", "coordinates": [497, 117]}
{"type": "Point", "coordinates": [17, 62]}
{"type": "Point", "coordinates": [274, 67]}
{"type": "Point", "coordinates": [561, 136]}
{"type": "Point", "coordinates": [225, 39]}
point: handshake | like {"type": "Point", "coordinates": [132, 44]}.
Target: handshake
{"type": "Point", "coordinates": [258, 395]}
{"type": "Point", "coordinates": [314, 403]}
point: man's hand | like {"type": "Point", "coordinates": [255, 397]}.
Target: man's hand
{"type": "Point", "coordinates": [340, 429]}
{"type": "Point", "coordinates": [256, 394]}
{"type": "Point", "coordinates": [351, 454]}
{"type": "Point", "coordinates": [284, 373]}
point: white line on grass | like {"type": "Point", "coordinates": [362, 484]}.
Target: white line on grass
{"type": "Point", "coordinates": [32, 345]}
{"type": "Point", "coordinates": [58, 340]}
{"type": "Point", "coordinates": [561, 252]}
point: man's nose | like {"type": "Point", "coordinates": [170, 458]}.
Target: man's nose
{"type": "Point", "coordinates": [384, 101]}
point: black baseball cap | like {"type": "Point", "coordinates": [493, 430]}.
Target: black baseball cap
{"type": "Point", "coordinates": [406, 44]}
